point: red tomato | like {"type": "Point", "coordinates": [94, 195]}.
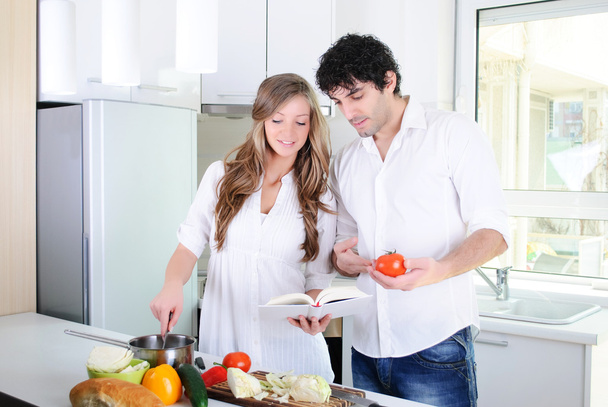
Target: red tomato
{"type": "Point", "coordinates": [390, 264]}
{"type": "Point", "coordinates": [237, 359]}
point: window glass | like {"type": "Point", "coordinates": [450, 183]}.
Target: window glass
{"type": "Point", "coordinates": [564, 246]}
{"type": "Point", "coordinates": [542, 99]}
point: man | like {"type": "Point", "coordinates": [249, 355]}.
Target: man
{"type": "Point", "coordinates": [424, 183]}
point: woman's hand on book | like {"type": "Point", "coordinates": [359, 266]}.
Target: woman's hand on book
{"type": "Point", "coordinates": [312, 326]}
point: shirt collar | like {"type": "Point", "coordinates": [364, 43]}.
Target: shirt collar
{"type": "Point", "coordinates": [413, 118]}
{"type": "Point", "coordinates": [288, 178]}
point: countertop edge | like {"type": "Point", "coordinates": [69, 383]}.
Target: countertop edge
{"type": "Point", "coordinates": [591, 330]}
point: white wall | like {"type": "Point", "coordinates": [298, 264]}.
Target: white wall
{"type": "Point", "coordinates": [421, 35]}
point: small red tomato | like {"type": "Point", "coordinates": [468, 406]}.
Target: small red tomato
{"type": "Point", "coordinates": [237, 359]}
{"type": "Point", "coordinates": [390, 264]}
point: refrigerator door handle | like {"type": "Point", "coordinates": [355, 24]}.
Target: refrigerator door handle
{"type": "Point", "coordinates": [85, 278]}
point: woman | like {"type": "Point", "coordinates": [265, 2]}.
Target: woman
{"type": "Point", "coordinates": [264, 214]}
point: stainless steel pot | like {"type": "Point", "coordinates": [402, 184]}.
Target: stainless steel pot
{"type": "Point", "coordinates": [178, 348]}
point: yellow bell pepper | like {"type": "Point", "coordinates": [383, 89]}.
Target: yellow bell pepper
{"type": "Point", "coordinates": [164, 381]}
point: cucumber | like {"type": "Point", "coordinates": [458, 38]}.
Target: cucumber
{"type": "Point", "coordinates": [193, 384]}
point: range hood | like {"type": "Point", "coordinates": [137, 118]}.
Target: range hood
{"type": "Point", "coordinates": [227, 110]}
{"type": "Point", "coordinates": [239, 110]}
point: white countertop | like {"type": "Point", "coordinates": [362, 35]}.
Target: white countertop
{"type": "Point", "coordinates": [41, 363]}
{"type": "Point", "coordinates": [591, 330]}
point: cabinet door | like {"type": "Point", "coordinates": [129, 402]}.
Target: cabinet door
{"type": "Point", "coordinates": [88, 59]}
{"type": "Point", "coordinates": [161, 83]}
{"type": "Point", "coordinates": [241, 55]}
{"type": "Point", "coordinates": [299, 32]}
{"type": "Point", "coordinates": [522, 371]}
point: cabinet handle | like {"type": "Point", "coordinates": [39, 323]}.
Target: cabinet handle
{"type": "Point", "coordinates": [141, 86]}
{"type": "Point", "coordinates": [504, 344]}
{"type": "Point", "coordinates": [156, 87]}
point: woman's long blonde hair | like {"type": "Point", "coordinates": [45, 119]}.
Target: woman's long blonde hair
{"type": "Point", "coordinates": [243, 173]}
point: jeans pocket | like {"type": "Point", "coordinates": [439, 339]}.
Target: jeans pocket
{"type": "Point", "coordinates": [451, 363]}
{"type": "Point", "coordinates": [448, 354]}
{"type": "Point", "coordinates": [451, 353]}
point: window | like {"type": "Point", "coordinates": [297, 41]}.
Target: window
{"type": "Point", "coordinates": [540, 92]}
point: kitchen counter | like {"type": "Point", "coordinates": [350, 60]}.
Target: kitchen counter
{"type": "Point", "coordinates": [41, 364]}
{"type": "Point", "coordinates": [576, 378]}
{"type": "Point", "coordinates": [591, 330]}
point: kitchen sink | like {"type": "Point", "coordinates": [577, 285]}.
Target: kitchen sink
{"type": "Point", "coordinates": [540, 310]}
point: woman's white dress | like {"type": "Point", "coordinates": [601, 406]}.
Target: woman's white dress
{"type": "Point", "coordinates": [261, 258]}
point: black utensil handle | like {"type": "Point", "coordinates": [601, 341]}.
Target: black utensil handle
{"type": "Point", "coordinates": [200, 363]}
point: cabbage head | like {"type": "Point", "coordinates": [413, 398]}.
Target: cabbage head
{"type": "Point", "coordinates": [309, 387]}
{"type": "Point", "coordinates": [242, 384]}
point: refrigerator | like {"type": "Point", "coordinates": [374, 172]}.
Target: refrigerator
{"type": "Point", "coordinates": [114, 181]}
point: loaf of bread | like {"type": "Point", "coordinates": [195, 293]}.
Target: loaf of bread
{"type": "Point", "coordinates": [110, 392]}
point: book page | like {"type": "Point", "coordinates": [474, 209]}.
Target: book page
{"type": "Point", "coordinates": [293, 298]}
{"type": "Point", "coordinates": [340, 308]}
{"type": "Point", "coordinates": [339, 293]}
{"type": "Point", "coordinates": [337, 309]}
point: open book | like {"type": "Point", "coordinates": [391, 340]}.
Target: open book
{"type": "Point", "coordinates": [338, 301]}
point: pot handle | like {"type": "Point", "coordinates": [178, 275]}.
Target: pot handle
{"type": "Point", "coordinates": [97, 338]}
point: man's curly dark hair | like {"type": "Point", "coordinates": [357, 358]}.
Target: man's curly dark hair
{"type": "Point", "coordinates": [353, 58]}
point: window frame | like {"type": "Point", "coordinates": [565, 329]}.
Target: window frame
{"type": "Point", "coordinates": [523, 203]}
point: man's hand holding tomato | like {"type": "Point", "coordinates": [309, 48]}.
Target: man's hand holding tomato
{"type": "Point", "coordinates": [421, 271]}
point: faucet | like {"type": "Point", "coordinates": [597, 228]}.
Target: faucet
{"type": "Point", "coordinates": [501, 288]}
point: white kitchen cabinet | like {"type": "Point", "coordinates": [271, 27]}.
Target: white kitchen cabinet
{"type": "Point", "coordinates": [241, 54]}
{"type": "Point", "coordinates": [522, 371]}
{"type": "Point", "coordinates": [260, 38]}
{"type": "Point", "coordinates": [299, 32]}
{"type": "Point", "coordinates": [88, 59]}
{"type": "Point", "coordinates": [161, 83]}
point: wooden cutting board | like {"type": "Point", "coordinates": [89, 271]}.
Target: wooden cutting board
{"type": "Point", "coordinates": [222, 392]}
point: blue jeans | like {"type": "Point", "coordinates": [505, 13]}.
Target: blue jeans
{"type": "Point", "coordinates": [442, 375]}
